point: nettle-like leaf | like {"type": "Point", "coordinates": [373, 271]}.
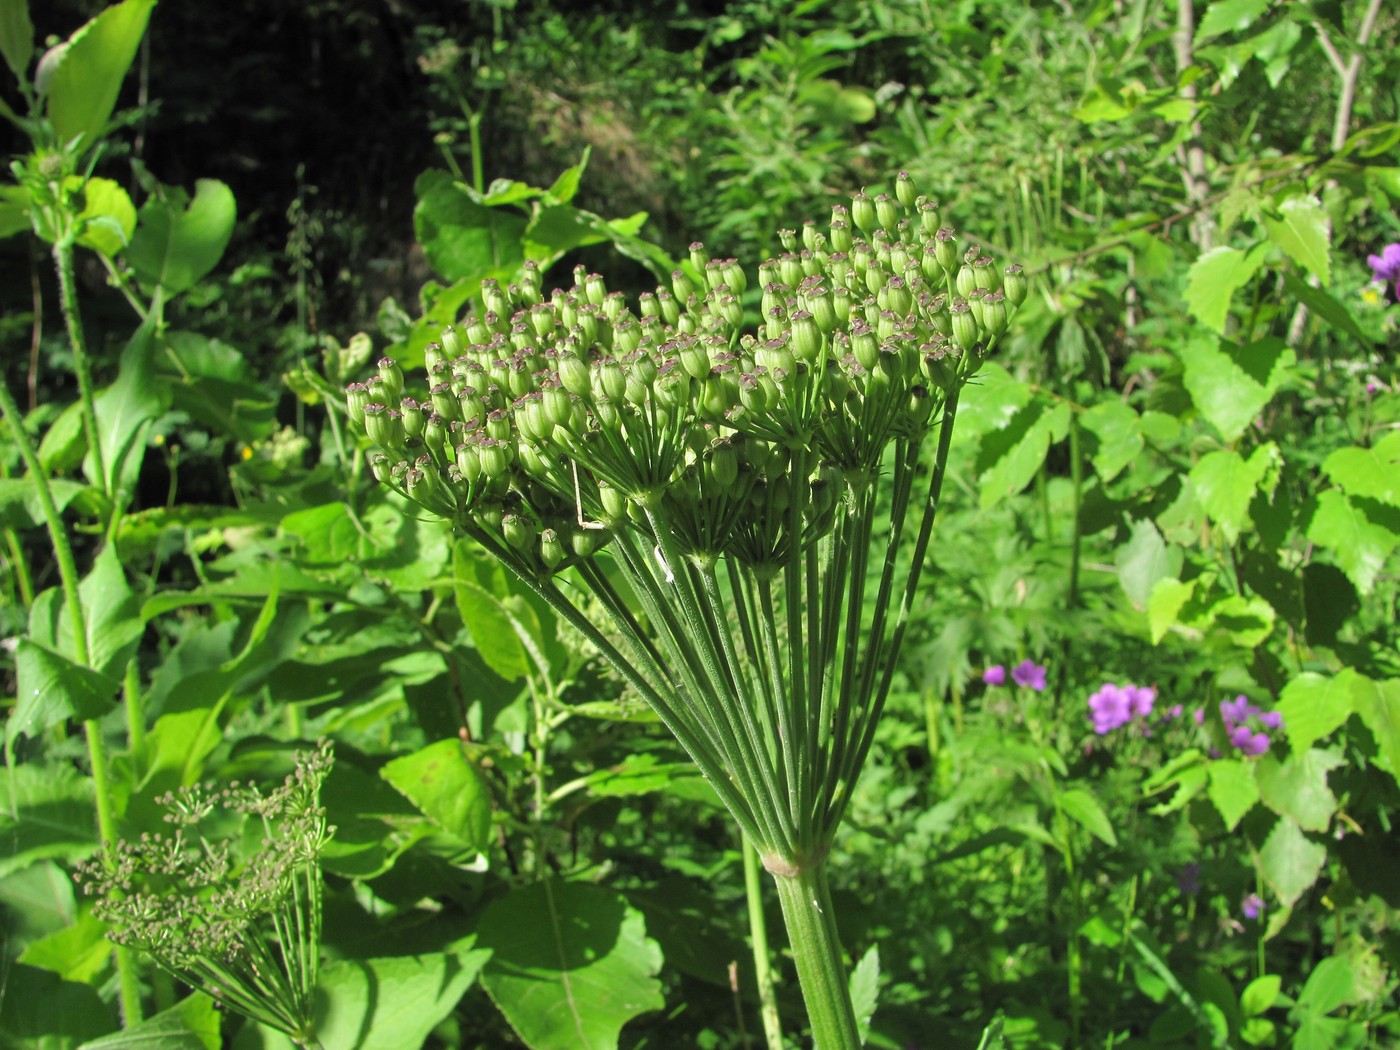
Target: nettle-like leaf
{"type": "Point", "coordinates": [1226, 482]}
{"type": "Point", "coordinates": [1359, 537]}
{"type": "Point", "coordinates": [1314, 705]}
{"type": "Point", "coordinates": [1371, 473]}
{"type": "Point", "coordinates": [1301, 228]}
{"type": "Point", "coordinates": [442, 782]}
{"type": "Point", "coordinates": [1232, 789]}
{"type": "Point", "coordinates": [1231, 384]}
{"type": "Point", "coordinates": [1290, 861]}
{"type": "Point", "coordinates": [1215, 277]}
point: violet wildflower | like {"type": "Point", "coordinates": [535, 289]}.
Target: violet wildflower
{"type": "Point", "coordinates": [1140, 699]}
{"type": "Point", "coordinates": [1248, 740]}
{"type": "Point", "coordinates": [1109, 708]}
{"type": "Point", "coordinates": [994, 675]}
{"type": "Point", "coordinates": [1252, 906]}
{"type": "Point", "coordinates": [1385, 267]}
{"type": "Point", "coordinates": [1030, 674]}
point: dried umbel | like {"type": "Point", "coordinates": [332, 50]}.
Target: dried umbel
{"type": "Point", "coordinates": [246, 929]}
{"type": "Point", "coordinates": [749, 505]}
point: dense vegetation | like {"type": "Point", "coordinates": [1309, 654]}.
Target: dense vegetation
{"type": "Point", "coordinates": [275, 731]}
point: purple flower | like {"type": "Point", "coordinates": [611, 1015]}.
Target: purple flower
{"type": "Point", "coordinates": [1386, 265]}
{"type": "Point", "coordinates": [1247, 742]}
{"type": "Point", "coordinates": [1030, 674]}
{"type": "Point", "coordinates": [994, 675]}
{"type": "Point", "coordinates": [1237, 711]}
{"type": "Point", "coordinates": [1199, 716]}
{"type": "Point", "coordinates": [1140, 699]}
{"type": "Point", "coordinates": [1272, 719]}
{"type": "Point", "coordinates": [1175, 711]}
{"type": "Point", "coordinates": [1109, 708]}
{"type": "Point", "coordinates": [1252, 906]}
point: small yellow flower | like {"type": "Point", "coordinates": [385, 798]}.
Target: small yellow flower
{"type": "Point", "coordinates": [1371, 296]}
{"type": "Point", "coordinates": [247, 452]}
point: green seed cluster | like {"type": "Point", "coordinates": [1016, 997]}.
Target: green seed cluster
{"type": "Point", "coordinates": [548, 424]}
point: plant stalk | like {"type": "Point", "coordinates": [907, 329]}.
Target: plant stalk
{"type": "Point", "coordinates": [758, 932]}
{"type": "Point", "coordinates": [68, 301]}
{"type": "Point", "coordinates": [816, 949]}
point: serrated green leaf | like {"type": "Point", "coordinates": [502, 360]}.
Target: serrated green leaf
{"type": "Point", "coordinates": [51, 688]}
{"type": "Point", "coordinates": [570, 965]}
{"type": "Point", "coordinates": [442, 782]}
{"type": "Point", "coordinates": [1164, 605]}
{"type": "Point", "coordinates": [1086, 811]}
{"type": "Point", "coordinates": [1359, 545]}
{"type": "Point", "coordinates": [1119, 435]}
{"type": "Point", "coordinates": [1011, 457]}
{"type": "Point", "coordinates": [1225, 483]}
{"type": "Point", "coordinates": [79, 952]}
{"type": "Point", "coordinates": [1143, 560]}
{"type": "Point", "coordinates": [1290, 861]}
{"type": "Point", "coordinates": [1297, 787]}
{"type": "Point", "coordinates": [1314, 705]}
{"type": "Point", "coordinates": [1232, 789]}
{"type": "Point", "coordinates": [82, 90]}
{"type": "Point", "coordinates": [1326, 307]}
{"type": "Point", "coordinates": [1247, 619]}
{"type": "Point", "coordinates": [46, 811]}
{"type": "Point", "coordinates": [1260, 994]}
{"type": "Point", "coordinates": [1228, 16]}
{"type": "Point", "coordinates": [1304, 232]}
{"type": "Point", "coordinates": [192, 1024]}
{"type": "Point", "coordinates": [1231, 384]}
{"type": "Point", "coordinates": [1372, 473]}
{"type": "Point", "coordinates": [1215, 277]}
{"type": "Point", "coordinates": [1378, 705]}
{"type": "Point", "coordinates": [865, 989]}
{"type": "Point", "coordinates": [19, 500]}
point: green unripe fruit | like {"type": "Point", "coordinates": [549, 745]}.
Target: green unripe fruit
{"type": "Point", "coordinates": [519, 531]}
{"type": "Point", "coordinates": [384, 426]}
{"type": "Point", "coordinates": [681, 285]}
{"type": "Point", "coordinates": [574, 376]}
{"type": "Point", "coordinates": [946, 250]}
{"type": "Point", "coordinates": [904, 190]}
{"type": "Point", "coordinates": [964, 325]}
{"type": "Point", "coordinates": [886, 211]}
{"type": "Point", "coordinates": [1015, 285]}
{"type": "Point", "coordinates": [391, 376]}
{"type": "Point", "coordinates": [863, 212]}
{"type": "Point", "coordinates": [356, 398]}
{"type": "Point", "coordinates": [551, 549]}
{"type": "Point", "coordinates": [413, 416]}
{"type": "Point", "coordinates": [806, 337]}
{"type": "Point", "coordinates": [966, 280]}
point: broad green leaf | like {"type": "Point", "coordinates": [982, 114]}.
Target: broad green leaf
{"type": "Point", "coordinates": [16, 36]}
{"type": "Point", "coordinates": [464, 239]}
{"type": "Point", "coordinates": [46, 811]}
{"type": "Point", "coordinates": [175, 245]}
{"type": "Point", "coordinates": [108, 216]}
{"type": "Point", "coordinates": [1228, 16]}
{"type": "Point", "coordinates": [1247, 619]}
{"type": "Point", "coordinates": [374, 824]}
{"type": "Point", "coordinates": [391, 1003]}
{"type": "Point", "coordinates": [1232, 789]}
{"type": "Point", "coordinates": [14, 208]}
{"type": "Point", "coordinates": [79, 952]}
{"type": "Point", "coordinates": [62, 447]}
{"type": "Point", "coordinates": [864, 986]}
{"type": "Point", "coordinates": [1290, 861]}
{"type": "Point", "coordinates": [636, 775]}
{"type": "Point", "coordinates": [1009, 458]}
{"type": "Point", "coordinates": [1215, 277]}
{"type": "Point", "coordinates": [1143, 560]}
{"type": "Point", "coordinates": [1326, 307]}
{"type": "Point", "coordinates": [45, 1012]}
{"type": "Point", "coordinates": [1371, 473]}
{"type": "Point", "coordinates": [111, 615]}
{"type": "Point", "coordinates": [1231, 384]}
{"type": "Point", "coordinates": [1225, 483]}
{"type": "Point", "coordinates": [82, 91]}
{"type": "Point", "coordinates": [1085, 810]}
{"type": "Point", "coordinates": [1164, 604]}
{"type": "Point", "coordinates": [191, 1024]}
{"type": "Point", "coordinates": [329, 535]}
{"type": "Point", "coordinates": [1304, 232]}
{"type": "Point", "coordinates": [1359, 545]}
{"type": "Point", "coordinates": [443, 783]}
{"type": "Point", "coordinates": [1260, 994]}
{"type": "Point", "coordinates": [490, 625]}
{"type": "Point", "coordinates": [1120, 439]}
{"type": "Point", "coordinates": [989, 402]}
{"type": "Point", "coordinates": [1313, 706]}
{"type": "Point", "coordinates": [1297, 788]}
{"type": "Point", "coordinates": [1101, 105]}
{"type": "Point", "coordinates": [1378, 705]}
{"type": "Point", "coordinates": [1329, 986]}
{"type": "Point", "coordinates": [570, 965]}
{"type": "Point", "coordinates": [51, 688]}
{"type": "Point", "coordinates": [19, 500]}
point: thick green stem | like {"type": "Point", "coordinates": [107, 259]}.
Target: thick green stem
{"type": "Point", "coordinates": [758, 932]}
{"type": "Point", "coordinates": [816, 949]}
{"type": "Point", "coordinates": [68, 300]}
{"type": "Point", "coordinates": [68, 575]}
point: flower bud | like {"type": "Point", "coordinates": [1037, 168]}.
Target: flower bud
{"type": "Point", "coordinates": [904, 190]}
{"type": "Point", "coordinates": [519, 531]}
{"type": "Point", "coordinates": [863, 212]}
{"type": "Point", "coordinates": [840, 236]}
{"type": "Point", "coordinates": [1015, 285]}
{"type": "Point", "coordinates": [698, 258]}
{"type": "Point", "coordinates": [551, 549]}
{"type": "Point", "coordinates": [928, 217]}
{"type": "Point", "coordinates": [895, 297]}
{"type": "Point", "coordinates": [865, 345]}
{"type": "Point", "coordinates": [806, 337]}
{"type": "Point", "coordinates": [384, 426]}
{"type": "Point", "coordinates": [946, 250]}
{"type": "Point", "coordinates": [391, 375]}
{"type": "Point", "coordinates": [964, 325]}
{"type": "Point", "coordinates": [413, 416]}
{"type": "Point", "coordinates": [356, 398]}
{"type": "Point", "coordinates": [886, 211]}
{"type": "Point", "coordinates": [594, 289]}
{"type": "Point", "coordinates": [965, 281]}
{"type": "Point", "coordinates": [681, 285]}
{"type": "Point", "coordinates": [574, 375]}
